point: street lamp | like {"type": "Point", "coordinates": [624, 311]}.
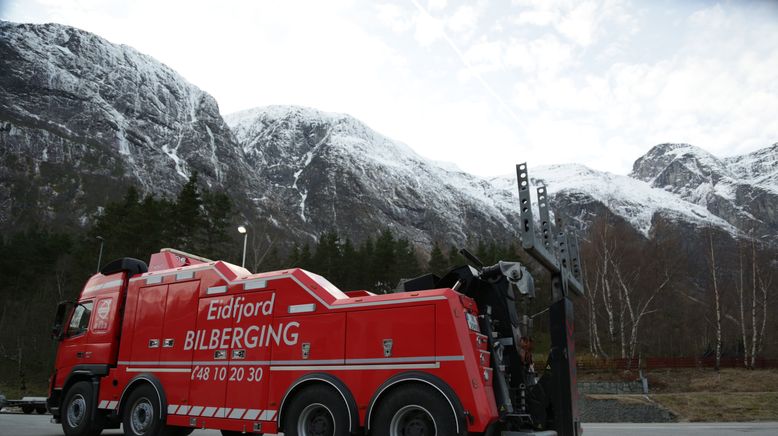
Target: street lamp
{"type": "Point", "coordinates": [242, 231]}
{"type": "Point", "coordinates": [100, 256]}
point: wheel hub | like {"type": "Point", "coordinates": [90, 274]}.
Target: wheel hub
{"type": "Point", "coordinates": [412, 420]}
{"type": "Point", "coordinates": [316, 420]}
{"type": "Point", "coordinates": [76, 411]}
{"type": "Point", "coordinates": [142, 416]}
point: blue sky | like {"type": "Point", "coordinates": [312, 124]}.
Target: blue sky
{"type": "Point", "coordinates": [482, 84]}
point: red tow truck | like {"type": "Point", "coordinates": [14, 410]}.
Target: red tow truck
{"type": "Point", "coordinates": [185, 343]}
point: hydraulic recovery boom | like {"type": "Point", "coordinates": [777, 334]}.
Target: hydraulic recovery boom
{"type": "Point", "coordinates": [527, 403]}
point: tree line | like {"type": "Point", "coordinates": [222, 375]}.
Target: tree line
{"type": "Point", "coordinates": [710, 295]}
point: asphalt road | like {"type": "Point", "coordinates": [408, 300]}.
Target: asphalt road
{"type": "Point", "coordinates": [17, 424]}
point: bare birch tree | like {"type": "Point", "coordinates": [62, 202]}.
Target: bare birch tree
{"type": "Point", "coordinates": [636, 309]}
{"type": "Point", "coordinates": [765, 284]}
{"type": "Point", "coordinates": [716, 296]}
{"type": "Point", "coordinates": [740, 292]}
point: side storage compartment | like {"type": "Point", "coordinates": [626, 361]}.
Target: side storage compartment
{"type": "Point", "coordinates": [404, 334]}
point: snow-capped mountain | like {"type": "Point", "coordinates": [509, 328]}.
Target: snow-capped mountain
{"type": "Point", "coordinates": [633, 200]}
{"type": "Point", "coordinates": [82, 118]}
{"type": "Point", "coordinates": [333, 172]}
{"type": "Point", "coordinates": [743, 190]}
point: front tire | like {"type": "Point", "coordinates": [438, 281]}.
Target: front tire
{"type": "Point", "coordinates": [142, 413]}
{"type": "Point", "coordinates": [415, 410]}
{"type": "Point", "coordinates": [317, 411]}
{"type": "Point", "coordinates": [76, 411]}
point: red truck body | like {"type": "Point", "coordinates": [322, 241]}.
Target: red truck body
{"type": "Point", "coordinates": [186, 342]}
{"type": "Point", "coordinates": [227, 349]}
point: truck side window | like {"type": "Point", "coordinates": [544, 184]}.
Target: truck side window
{"type": "Point", "coordinates": [79, 323]}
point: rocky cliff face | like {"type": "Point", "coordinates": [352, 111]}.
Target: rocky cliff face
{"type": "Point", "coordinates": [743, 190]}
{"type": "Point", "coordinates": [82, 119]}
{"type": "Point", "coordinates": [330, 171]}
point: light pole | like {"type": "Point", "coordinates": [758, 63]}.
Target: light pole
{"type": "Point", "coordinates": [242, 231]}
{"type": "Point", "coordinates": [100, 256]}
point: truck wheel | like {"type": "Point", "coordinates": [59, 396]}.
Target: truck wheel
{"type": "Point", "coordinates": [75, 411]}
{"type": "Point", "coordinates": [317, 411]}
{"type": "Point", "coordinates": [142, 413]}
{"type": "Point", "coordinates": [40, 409]}
{"type": "Point", "coordinates": [27, 409]}
{"type": "Point", "coordinates": [414, 410]}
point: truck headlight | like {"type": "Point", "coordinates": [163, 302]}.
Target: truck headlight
{"type": "Point", "coordinates": [472, 322]}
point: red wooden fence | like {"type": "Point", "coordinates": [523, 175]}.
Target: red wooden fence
{"type": "Point", "coordinates": [586, 362]}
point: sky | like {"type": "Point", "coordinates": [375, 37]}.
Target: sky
{"type": "Point", "coordinates": [482, 84]}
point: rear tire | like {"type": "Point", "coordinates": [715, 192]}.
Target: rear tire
{"type": "Point", "coordinates": [317, 411]}
{"type": "Point", "coordinates": [76, 411]}
{"type": "Point", "coordinates": [415, 410]}
{"type": "Point", "coordinates": [40, 409]}
{"type": "Point", "coordinates": [142, 413]}
{"type": "Point", "coordinates": [28, 409]}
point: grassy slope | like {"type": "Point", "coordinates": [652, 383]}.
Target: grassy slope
{"type": "Point", "coordinates": [706, 395]}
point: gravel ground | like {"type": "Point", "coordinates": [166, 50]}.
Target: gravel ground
{"type": "Point", "coordinates": [632, 408]}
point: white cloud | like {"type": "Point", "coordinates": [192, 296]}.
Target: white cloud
{"type": "Point", "coordinates": [436, 5]}
{"type": "Point", "coordinates": [429, 29]}
{"type": "Point", "coordinates": [395, 17]}
{"type": "Point", "coordinates": [485, 56]}
{"type": "Point", "coordinates": [580, 24]}
{"type": "Point", "coordinates": [464, 19]}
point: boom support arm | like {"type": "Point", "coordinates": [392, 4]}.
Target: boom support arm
{"type": "Point", "coordinates": [567, 264]}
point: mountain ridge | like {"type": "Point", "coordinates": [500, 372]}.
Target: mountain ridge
{"type": "Point", "coordinates": [81, 124]}
{"type": "Point", "coordinates": [743, 189]}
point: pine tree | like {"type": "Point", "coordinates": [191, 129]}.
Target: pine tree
{"type": "Point", "coordinates": [272, 260]}
{"type": "Point", "coordinates": [217, 241]}
{"type": "Point", "coordinates": [439, 263]}
{"type": "Point", "coordinates": [406, 263]}
{"type": "Point", "coordinates": [327, 257]}
{"type": "Point", "coordinates": [454, 258]}
{"type": "Point", "coordinates": [293, 260]}
{"type": "Point", "coordinates": [384, 262]}
{"type": "Point", "coordinates": [352, 266]}
{"type": "Point", "coordinates": [306, 259]}
{"type": "Point", "coordinates": [188, 218]}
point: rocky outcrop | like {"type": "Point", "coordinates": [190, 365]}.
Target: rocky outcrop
{"type": "Point", "coordinates": [743, 190]}
{"type": "Point", "coordinates": [331, 171]}
{"type": "Point", "coordinates": [83, 118]}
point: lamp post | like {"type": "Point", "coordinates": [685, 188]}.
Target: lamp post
{"type": "Point", "coordinates": [100, 256]}
{"type": "Point", "coordinates": [242, 231]}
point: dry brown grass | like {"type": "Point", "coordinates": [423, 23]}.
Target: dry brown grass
{"type": "Point", "coordinates": [721, 407]}
{"type": "Point", "coordinates": [695, 380]}
{"type": "Point", "coordinates": [703, 394]}
{"type": "Point", "coordinates": [627, 399]}
{"type": "Point", "coordinates": [706, 380]}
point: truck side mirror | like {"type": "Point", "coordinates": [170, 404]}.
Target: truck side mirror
{"type": "Point", "coordinates": [58, 330]}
